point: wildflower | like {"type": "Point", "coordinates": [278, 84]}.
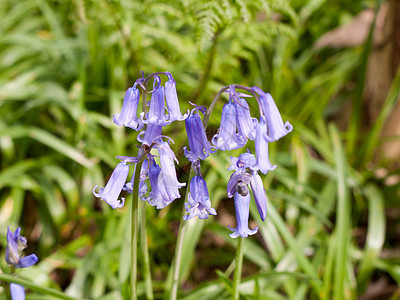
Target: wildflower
{"type": "Point", "coordinates": [114, 186]}
{"type": "Point", "coordinates": [245, 160]}
{"type": "Point", "coordinates": [263, 163]}
{"type": "Point", "coordinates": [156, 114]}
{"type": "Point", "coordinates": [128, 116]}
{"type": "Point", "coordinates": [245, 123]}
{"type": "Point", "coordinates": [227, 138]}
{"type": "Point", "coordinates": [158, 196]}
{"type": "Point", "coordinates": [15, 245]}
{"type": "Point", "coordinates": [242, 204]}
{"type": "Point", "coordinates": [199, 203]}
{"type": "Point", "coordinates": [150, 134]}
{"type": "Point", "coordinates": [170, 181]}
{"type": "Point", "coordinates": [238, 183]}
{"type": "Point", "coordinates": [200, 147]}
{"type": "Point", "coordinates": [276, 128]}
{"type": "Point", "coordinates": [174, 111]}
{"type": "Point", "coordinates": [259, 194]}
{"type": "Point", "coordinates": [17, 291]}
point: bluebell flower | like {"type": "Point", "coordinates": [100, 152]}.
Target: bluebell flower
{"type": "Point", "coordinates": [169, 178]}
{"type": "Point", "coordinates": [276, 128]}
{"type": "Point", "coordinates": [244, 161]}
{"type": "Point", "coordinates": [200, 147]}
{"type": "Point", "coordinates": [199, 203]}
{"type": "Point", "coordinates": [259, 194]}
{"type": "Point", "coordinates": [17, 291]}
{"type": "Point", "coordinates": [113, 188]}
{"type": "Point", "coordinates": [246, 125]}
{"type": "Point", "coordinates": [263, 163]}
{"type": "Point", "coordinates": [15, 245]}
{"type": "Point", "coordinates": [242, 204]}
{"type": "Point", "coordinates": [238, 182]}
{"type": "Point", "coordinates": [158, 196]}
{"type": "Point", "coordinates": [156, 114]}
{"type": "Point", "coordinates": [227, 138]}
{"type": "Point", "coordinates": [174, 111]}
{"type": "Point", "coordinates": [148, 136]}
{"type": "Point", "coordinates": [128, 113]}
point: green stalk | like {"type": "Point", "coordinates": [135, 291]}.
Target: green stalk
{"type": "Point", "coordinates": [179, 245]}
{"type": "Point", "coordinates": [34, 287]}
{"type": "Point", "coordinates": [238, 269]}
{"type": "Point", "coordinates": [134, 228]}
{"type": "Point", "coordinates": [145, 253]}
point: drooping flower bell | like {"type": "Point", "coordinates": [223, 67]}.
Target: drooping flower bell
{"type": "Point", "coordinates": [156, 114]}
{"type": "Point", "coordinates": [148, 136]}
{"type": "Point", "coordinates": [169, 178]}
{"type": "Point", "coordinates": [242, 206]}
{"type": "Point", "coordinates": [199, 203]}
{"type": "Point", "coordinates": [245, 167]}
{"type": "Point", "coordinates": [263, 163]}
{"type": "Point", "coordinates": [259, 194]}
{"type": "Point", "coordinates": [113, 188]}
{"type": "Point", "coordinates": [227, 138]}
{"type": "Point", "coordinates": [17, 291]}
{"type": "Point", "coordinates": [276, 128]}
{"type": "Point", "coordinates": [246, 125]}
{"type": "Point", "coordinates": [15, 245]}
{"type": "Point", "coordinates": [174, 111]}
{"type": "Point", "coordinates": [200, 147]}
{"type": "Point", "coordinates": [128, 114]}
{"type": "Point", "coordinates": [158, 196]}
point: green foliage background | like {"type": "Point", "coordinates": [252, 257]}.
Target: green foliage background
{"type": "Point", "coordinates": [64, 68]}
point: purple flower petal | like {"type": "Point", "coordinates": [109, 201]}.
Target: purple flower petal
{"type": "Point", "coordinates": [227, 138]}
{"type": "Point", "coordinates": [12, 250]}
{"type": "Point", "coordinates": [199, 203]}
{"type": "Point", "coordinates": [128, 113]}
{"type": "Point", "coordinates": [156, 114]}
{"type": "Point", "coordinates": [150, 134]}
{"type": "Point", "coordinates": [242, 204]}
{"type": "Point", "coordinates": [27, 261]}
{"type": "Point", "coordinates": [113, 188]}
{"type": "Point", "coordinates": [245, 123]}
{"type": "Point", "coordinates": [238, 181]}
{"type": "Point", "coordinates": [171, 96]}
{"type": "Point", "coordinates": [170, 181]}
{"type": "Point", "coordinates": [17, 291]}
{"type": "Point", "coordinates": [260, 196]}
{"type": "Point", "coordinates": [263, 163]}
{"type": "Point", "coordinates": [245, 160]}
{"type": "Point", "coordinates": [200, 147]}
{"type": "Point", "coordinates": [276, 128]}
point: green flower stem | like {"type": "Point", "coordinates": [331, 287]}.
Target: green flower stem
{"type": "Point", "coordinates": [179, 245]}
{"type": "Point", "coordinates": [34, 287]}
{"type": "Point", "coordinates": [145, 253]}
{"type": "Point", "coordinates": [134, 228]}
{"type": "Point", "coordinates": [238, 269]}
{"type": "Point", "coordinates": [174, 283]}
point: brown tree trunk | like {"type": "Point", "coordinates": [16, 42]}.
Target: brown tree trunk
{"type": "Point", "coordinates": [382, 66]}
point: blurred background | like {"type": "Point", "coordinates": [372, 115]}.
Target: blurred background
{"type": "Point", "coordinates": [333, 224]}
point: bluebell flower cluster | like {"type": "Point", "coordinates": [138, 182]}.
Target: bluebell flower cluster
{"type": "Point", "coordinates": [15, 245]}
{"type": "Point", "coordinates": [236, 128]}
{"type": "Point", "coordinates": [161, 176]}
{"type": "Point", "coordinates": [158, 183]}
{"type": "Point", "coordinates": [199, 203]}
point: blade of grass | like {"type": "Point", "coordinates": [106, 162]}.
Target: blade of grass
{"type": "Point", "coordinates": [342, 228]}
